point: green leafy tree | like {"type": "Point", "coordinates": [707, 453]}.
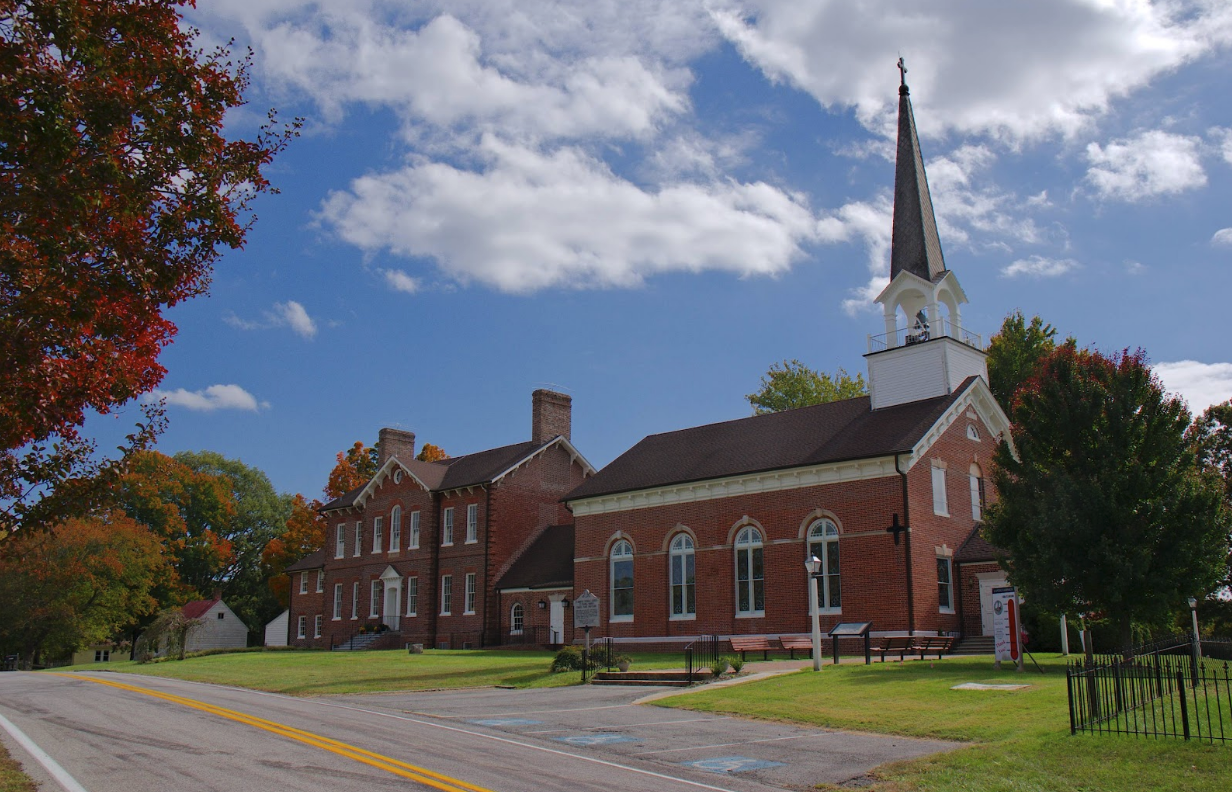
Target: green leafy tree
{"type": "Point", "coordinates": [1210, 436]}
{"type": "Point", "coordinates": [80, 583]}
{"type": "Point", "coordinates": [1104, 509]}
{"type": "Point", "coordinates": [1014, 355]}
{"type": "Point", "coordinates": [792, 384]}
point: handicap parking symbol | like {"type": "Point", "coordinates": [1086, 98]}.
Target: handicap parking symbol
{"type": "Point", "coordinates": [731, 764]}
{"type": "Point", "coordinates": [505, 722]}
{"type": "Point", "coordinates": [595, 739]}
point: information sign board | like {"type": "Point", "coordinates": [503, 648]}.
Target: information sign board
{"type": "Point", "coordinates": [586, 610]}
{"type": "Point", "coordinates": [1006, 623]}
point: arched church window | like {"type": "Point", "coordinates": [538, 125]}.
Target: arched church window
{"type": "Point", "coordinates": [750, 573]}
{"type": "Point", "coordinates": [823, 545]}
{"type": "Point", "coordinates": [682, 571]}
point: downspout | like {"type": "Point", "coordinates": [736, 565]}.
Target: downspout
{"type": "Point", "coordinates": [907, 549]}
{"type": "Point", "coordinates": [487, 560]}
{"type": "Point", "coordinates": [435, 583]}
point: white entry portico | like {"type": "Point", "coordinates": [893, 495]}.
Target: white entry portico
{"type": "Point", "coordinates": [391, 581]}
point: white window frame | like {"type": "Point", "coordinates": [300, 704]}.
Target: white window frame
{"type": "Point", "coordinates": [517, 619]}
{"type": "Point", "coordinates": [359, 537]}
{"type": "Point", "coordinates": [468, 604]}
{"type": "Point", "coordinates": [355, 600]}
{"type": "Point", "coordinates": [975, 478]}
{"type": "Point", "coordinates": [472, 523]}
{"type": "Point", "coordinates": [377, 589]}
{"type": "Point", "coordinates": [318, 624]}
{"type": "Point", "coordinates": [447, 527]}
{"type": "Point", "coordinates": [414, 530]}
{"type": "Point", "coordinates": [749, 543]}
{"type": "Point", "coordinates": [337, 602]}
{"type": "Point", "coordinates": [446, 595]}
{"type": "Point", "coordinates": [941, 506]}
{"type": "Point", "coordinates": [395, 529]}
{"type": "Point", "coordinates": [682, 586]}
{"type": "Point", "coordinates": [320, 581]}
{"type": "Point", "coordinates": [823, 544]}
{"type": "Point", "coordinates": [303, 582]}
{"type": "Point", "coordinates": [302, 627]}
{"type": "Point", "coordinates": [378, 534]}
{"type": "Point", "coordinates": [340, 541]}
{"type": "Point", "coordinates": [945, 563]}
{"type": "Point", "coordinates": [412, 596]}
{"type": "Point", "coordinates": [622, 552]}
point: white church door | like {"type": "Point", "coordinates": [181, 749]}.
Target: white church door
{"type": "Point", "coordinates": [556, 621]}
{"type": "Point", "coordinates": [988, 582]}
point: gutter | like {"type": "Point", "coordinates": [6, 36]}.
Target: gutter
{"type": "Point", "coordinates": [907, 549]}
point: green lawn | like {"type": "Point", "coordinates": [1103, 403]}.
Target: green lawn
{"type": "Point", "coordinates": [318, 673]}
{"type": "Point", "coordinates": [11, 777]}
{"type": "Point", "coordinates": [1021, 740]}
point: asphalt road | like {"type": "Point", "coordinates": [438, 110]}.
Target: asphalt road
{"type": "Point", "coordinates": [129, 733]}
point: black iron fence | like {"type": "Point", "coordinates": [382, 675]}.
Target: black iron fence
{"type": "Point", "coordinates": [1168, 688]}
{"type": "Point", "coordinates": [702, 653]}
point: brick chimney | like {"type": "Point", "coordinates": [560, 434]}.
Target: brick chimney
{"type": "Point", "coordinates": [395, 443]}
{"type": "Point", "coordinates": [551, 415]}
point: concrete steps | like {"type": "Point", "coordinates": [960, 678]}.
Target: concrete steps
{"type": "Point", "coordinates": [657, 678]}
{"type": "Point", "coordinates": [974, 645]}
{"type": "Point", "coordinates": [358, 643]}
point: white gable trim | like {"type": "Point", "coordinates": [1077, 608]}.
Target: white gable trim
{"type": "Point", "coordinates": [385, 472]}
{"type": "Point", "coordinates": [732, 486]}
{"type": "Point", "coordinates": [562, 441]}
{"type": "Point", "coordinates": [977, 397]}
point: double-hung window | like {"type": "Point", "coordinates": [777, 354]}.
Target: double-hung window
{"type": "Point", "coordinates": [412, 596]}
{"type": "Point", "coordinates": [320, 581]}
{"type": "Point", "coordinates": [340, 542]}
{"type": "Point", "coordinates": [446, 594]}
{"type": "Point", "coordinates": [622, 581]}
{"type": "Point", "coordinates": [395, 529]}
{"type": "Point", "coordinates": [750, 574]}
{"type": "Point", "coordinates": [976, 479]}
{"type": "Point", "coordinates": [302, 631]}
{"type": "Point", "coordinates": [316, 629]}
{"type": "Point", "coordinates": [303, 582]}
{"type": "Point", "coordinates": [337, 601]}
{"type": "Point", "coordinates": [378, 534]}
{"type": "Point", "coordinates": [355, 600]}
{"type": "Point", "coordinates": [359, 537]}
{"type": "Point", "coordinates": [517, 617]}
{"type": "Point", "coordinates": [447, 527]}
{"type": "Point", "coordinates": [945, 586]}
{"type": "Point", "coordinates": [472, 523]}
{"type": "Point", "coordinates": [940, 505]}
{"type": "Point", "coordinates": [414, 530]}
{"type": "Point", "coordinates": [469, 603]}
{"type": "Point", "coordinates": [374, 607]}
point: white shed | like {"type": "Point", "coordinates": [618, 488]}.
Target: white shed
{"type": "Point", "coordinates": [220, 627]}
{"type": "Point", "coordinates": [276, 630]}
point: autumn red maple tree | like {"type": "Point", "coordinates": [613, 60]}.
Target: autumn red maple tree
{"type": "Point", "coordinates": [118, 192]}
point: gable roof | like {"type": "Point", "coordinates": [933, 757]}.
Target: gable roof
{"type": "Point", "coordinates": [977, 548]}
{"type": "Point", "coordinates": [547, 563]}
{"type": "Point", "coordinates": [198, 608]}
{"type": "Point", "coordinates": [834, 432]}
{"type": "Point", "coordinates": [315, 560]}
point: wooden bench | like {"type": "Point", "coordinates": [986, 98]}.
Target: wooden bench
{"type": "Point", "coordinates": [792, 643]}
{"type": "Point", "coordinates": [750, 643]}
{"type": "Point", "coordinates": [927, 644]}
{"type": "Point", "coordinates": [895, 643]}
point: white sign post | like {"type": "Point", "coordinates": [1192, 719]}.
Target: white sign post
{"type": "Point", "coordinates": [586, 615]}
{"type": "Point", "coordinates": [1006, 625]}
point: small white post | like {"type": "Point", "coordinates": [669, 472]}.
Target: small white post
{"type": "Point", "coordinates": [1064, 636]}
{"type": "Point", "coordinates": [813, 565]}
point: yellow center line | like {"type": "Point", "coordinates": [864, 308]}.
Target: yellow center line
{"type": "Point", "coordinates": [379, 761]}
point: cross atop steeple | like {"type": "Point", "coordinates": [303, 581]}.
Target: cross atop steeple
{"type": "Point", "coordinates": [902, 70]}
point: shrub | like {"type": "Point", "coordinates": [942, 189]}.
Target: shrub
{"type": "Point", "coordinates": [736, 663]}
{"type": "Point", "coordinates": [718, 667]}
{"type": "Point", "coordinates": [569, 658]}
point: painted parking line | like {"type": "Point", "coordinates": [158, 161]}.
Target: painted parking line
{"type": "Point", "coordinates": [386, 763]}
{"type": "Point", "coordinates": [595, 739]}
{"type": "Point", "coordinates": [731, 764]}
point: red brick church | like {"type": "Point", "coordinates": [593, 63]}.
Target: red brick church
{"type": "Point", "coordinates": [705, 530]}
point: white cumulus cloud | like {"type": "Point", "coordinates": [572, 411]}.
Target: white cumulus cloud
{"type": "Point", "coordinates": [1222, 237]}
{"type": "Point", "coordinates": [398, 280]}
{"type": "Point", "coordinates": [288, 314]}
{"type": "Point", "coordinates": [1200, 384]}
{"type": "Point", "coordinates": [530, 220]}
{"type": "Point", "coordinates": [215, 397]}
{"type": "Point", "coordinates": [1146, 165]}
{"type": "Point", "coordinates": [1039, 267]}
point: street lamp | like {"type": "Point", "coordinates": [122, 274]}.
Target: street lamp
{"type": "Point", "coordinates": [813, 565]}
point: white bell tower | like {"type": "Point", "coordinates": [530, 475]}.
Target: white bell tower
{"type": "Point", "coordinates": [925, 351]}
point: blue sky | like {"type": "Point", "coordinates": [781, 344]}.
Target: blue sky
{"type": "Point", "coordinates": [644, 205]}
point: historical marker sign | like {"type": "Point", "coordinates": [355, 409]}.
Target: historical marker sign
{"type": "Point", "coordinates": [1006, 623]}
{"type": "Point", "coordinates": [586, 610]}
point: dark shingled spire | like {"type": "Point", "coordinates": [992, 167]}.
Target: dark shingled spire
{"type": "Point", "coordinates": [916, 247]}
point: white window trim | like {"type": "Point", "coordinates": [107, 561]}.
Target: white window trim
{"type": "Point", "coordinates": [468, 602]}
{"type": "Point", "coordinates": [941, 505]}
{"type": "Point", "coordinates": [303, 582]}
{"type": "Point", "coordinates": [472, 523]}
{"type": "Point", "coordinates": [446, 595]}
{"type": "Point", "coordinates": [672, 555]}
{"type": "Point", "coordinates": [337, 602]}
{"type": "Point", "coordinates": [375, 590]}
{"type": "Point", "coordinates": [447, 527]}
{"type": "Point", "coordinates": [320, 581]}
{"type": "Point", "coordinates": [317, 626]}
{"type": "Point", "coordinates": [412, 602]}
{"type": "Point", "coordinates": [378, 534]}
{"type": "Point", "coordinates": [514, 608]}
{"type": "Point", "coordinates": [809, 541]}
{"type": "Point", "coordinates": [340, 541]}
{"type": "Point", "coordinates": [611, 589]}
{"type": "Point", "coordinates": [395, 529]}
{"type": "Point", "coordinates": [302, 628]}
{"type": "Point", "coordinates": [414, 539]}
{"type": "Point", "coordinates": [747, 551]}
{"type": "Point", "coordinates": [359, 538]}
{"type": "Point", "coordinates": [941, 608]}
{"type": "Point", "coordinates": [355, 600]}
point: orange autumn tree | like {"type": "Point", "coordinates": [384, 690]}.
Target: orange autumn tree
{"type": "Point", "coordinates": [353, 469]}
{"type": "Point", "coordinates": [78, 584]}
{"type": "Point", "coordinates": [431, 453]}
{"type": "Point", "coordinates": [118, 193]}
{"type": "Point", "coordinates": [304, 534]}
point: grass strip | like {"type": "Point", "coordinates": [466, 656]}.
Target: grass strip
{"type": "Point", "coordinates": [12, 779]}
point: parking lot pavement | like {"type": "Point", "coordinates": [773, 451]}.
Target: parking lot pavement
{"type": "Point", "coordinates": [605, 722]}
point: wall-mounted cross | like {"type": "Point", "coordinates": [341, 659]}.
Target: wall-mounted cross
{"type": "Point", "coordinates": [895, 528]}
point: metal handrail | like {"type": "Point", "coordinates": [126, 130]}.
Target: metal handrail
{"type": "Point", "coordinates": [907, 336]}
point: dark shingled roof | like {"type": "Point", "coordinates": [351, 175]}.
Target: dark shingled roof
{"type": "Point", "coordinates": [547, 563]}
{"type": "Point", "coordinates": [915, 245]}
{"type": "Point", "coordinates": [976, 548]}
{"type": "Point", "coordinates": [311, 561]}
{"type": "Point", "coordinates": [834, 432]}
{"type": "Point", "coordinates": [454, 472]}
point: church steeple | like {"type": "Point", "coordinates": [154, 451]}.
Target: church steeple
{"type": "Point", "coordinates": [915, 248]}
{"type": "Point", "coordinates": [925, 350]}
